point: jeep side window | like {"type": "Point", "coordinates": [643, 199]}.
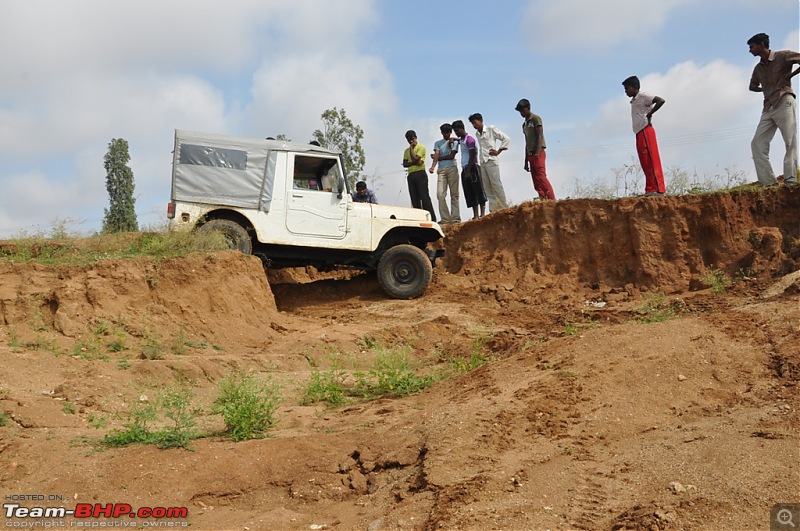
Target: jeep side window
{"type": "Point", "coordinates": [315, 173]}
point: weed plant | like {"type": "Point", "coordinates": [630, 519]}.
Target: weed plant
{"type": "Point", "coordinates": [247, 405]}
{"type": "Point", "coordinates": [657, 309]}
{"type": "Point", "coordinates": [392, 374]}
{"type": "Point", "coordinates": [718, 280]}
{"type": "Point", "coordinates": [172, 410]}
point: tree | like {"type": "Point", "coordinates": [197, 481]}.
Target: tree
{"type": "Point", "coordinates": [120, 216]}
{"type": "Point", "coordinates": [339, 132]}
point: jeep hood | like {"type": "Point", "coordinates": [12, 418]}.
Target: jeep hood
{"type": "Point", "coordinates": [400, 213]}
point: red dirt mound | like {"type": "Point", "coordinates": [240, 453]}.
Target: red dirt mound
{"type": "Point", "coordinates": [649, 243]}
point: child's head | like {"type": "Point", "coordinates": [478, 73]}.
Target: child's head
{"type": "Point", "coordinates": [632, 86]}
{"type": "Point", "coordinates": [411, 136]}
{"type": "Point", "coordinates": [458, 129]}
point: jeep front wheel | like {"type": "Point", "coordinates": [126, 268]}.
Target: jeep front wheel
{"type": "Point", "coordinates": [237, 237]}
{"type": "Point", "coordinates": [404, 271]}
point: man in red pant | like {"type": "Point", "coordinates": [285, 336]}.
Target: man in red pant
{"type": "Point", "coordinates": [535, 150]}
{"type": "Point", "coordinates": [643, 105]}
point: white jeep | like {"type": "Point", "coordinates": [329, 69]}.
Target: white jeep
{"type": "Point", "coordinates": [267, 198]}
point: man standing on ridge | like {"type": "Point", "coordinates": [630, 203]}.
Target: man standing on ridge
{"type": "Point", "coordinates": [444, 154]}
{"type": "Point", "coordinates": [535, 146]}
{"type": "Point", "coordinates": [773, 76]}
{"type": "Point", "coordinates": [643, 105]}
{"type": "Point", "coordinates": [488, 136]}
{"type": "Point", "coordinates": [414, 162]}
{"type": "Point", "coordinates": [470, 171]}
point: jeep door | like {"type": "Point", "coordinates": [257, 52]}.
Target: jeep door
{"type": "Point", "coordinates": [311, 209]}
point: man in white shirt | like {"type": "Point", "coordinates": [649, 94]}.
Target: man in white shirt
{"type": "Point", "coordinates": [643, 105]}
{"type": "Point", "coordinates": [488, 137]}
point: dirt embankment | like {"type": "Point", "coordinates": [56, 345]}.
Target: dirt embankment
{"type": "Point", "coordinates": [645, 243]}
{"type": "Point", "coordinates": [603, 405]}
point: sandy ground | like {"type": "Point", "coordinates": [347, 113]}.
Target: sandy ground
{"type": "Point", "coordinates": [593, 411]}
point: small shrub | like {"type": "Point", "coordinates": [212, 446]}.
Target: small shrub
{"type": "Point", "coordinates": [4, 420]}
{"type": "Point", "coordinates": [658, 309]}
{"type": "Point", "coordinates": [718, 280]}
{"type": "Point", "coordinates": [97, 422]}
{"type": "Point", "coordinates": [327, 387]}
{"type": "Point", "coordinates": [136, 429]}
{"type": "Point", "coordinates": [69, 408]}
{"type": "Point", "coordinates": [247, 405]}
{"type": "Point", "coordinates": [173, 409]}
{"type": "Point", "coordinates": [176, 406]}
{"type": "Point", "coordinates": [392, 374]}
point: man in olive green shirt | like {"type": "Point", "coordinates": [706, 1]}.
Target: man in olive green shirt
{"type": "Point", "coordinates": [535, 150]}
{"type": "Point", "coordinates": [414, 162]}
{"type": "Point", "coordinates": [773, 76]}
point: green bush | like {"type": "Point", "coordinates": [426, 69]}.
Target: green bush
{"type": "Point", "coordinates": [327, 387]}
{"type": "Point", "coordinates": [247, 405]}
{"type": "Point", "coordinates": [392, 374]}
{"type": "Point", "coordinates": [172, 409]}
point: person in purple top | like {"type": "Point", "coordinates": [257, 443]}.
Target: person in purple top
{"type": "Point", "coordinates": [364, 194]}
{"type": "Point", "coordinates": [470, 171]}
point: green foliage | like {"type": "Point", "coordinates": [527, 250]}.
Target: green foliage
{"type": "Point", "coordinates": [85, 251]}
{"type": "Point", "coordinates": [172, 410]}
{"type": "Point", "coordinates": [4, 420]}
{"type": "Point", "coordinates": [339, 132]}
{"type": "Point", "coordinates": [97, 422]}
{"type": "Point", "coordinates": [136, 429]}
{"type": "Point", "coordinates": [570, 329]}
{"type": "Point", "coordinates": [392, 374]}
{"type": "Point", "coordinates": [658, 308]}
{"type": "Point", "coordinates": [69, 408]}
{"type": "Point", "coordinates": [247, 405]}
{"type": "Point", "coordinates": [120, 216]}
{"type": "Point", "coordinates": [327, 387]}
{"type": "Point", "coordinates": [718, 280]}
{"type": "Point", "coordinates": [88, 350]}
{"type": "Point", "coordinates": [176, 406]}
{"type": "Point", "coordinates": [745, 273]}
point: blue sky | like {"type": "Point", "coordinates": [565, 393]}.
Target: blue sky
{"type": "Point", "coordinates": [94, 70]}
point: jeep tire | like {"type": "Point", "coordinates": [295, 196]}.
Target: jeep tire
{"type": "Point", "coordinates": [404, 271]}
{"type": "Point", "coordinates": [237, 237]}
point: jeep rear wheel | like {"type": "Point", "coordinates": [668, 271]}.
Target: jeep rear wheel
{"type": "Point", "coordinates": [404, 271]}
{"type": "Point", "coordinates": [237, 237]}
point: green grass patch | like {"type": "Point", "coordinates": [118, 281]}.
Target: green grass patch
{"type": "Point", "coordinates": [247, 405]}
{"type": "Point", "coordinates": [61, 250]}
{"type": "Point", "coordinates": [658, 309]}
{"type": "Point", "coordinates": [168, 422]}
{"type": "Point", "coordinates": [718, 280]}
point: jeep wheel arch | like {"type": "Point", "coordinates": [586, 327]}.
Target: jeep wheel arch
{"type": "Point", "coordinates": [237, 236]}
{"type": "Point", "coordinates": [404, 271]}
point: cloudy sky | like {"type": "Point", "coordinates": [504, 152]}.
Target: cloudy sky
{"type": "Point", "coordinates": [78, 73]}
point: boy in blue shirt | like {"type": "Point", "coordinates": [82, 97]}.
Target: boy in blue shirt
{"type": "Point", "coordinates": [444, 154]}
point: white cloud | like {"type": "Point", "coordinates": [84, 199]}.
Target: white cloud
{"type": "Point", "coordinates": [593, 24]}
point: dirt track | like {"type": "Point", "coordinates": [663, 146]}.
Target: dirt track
{"type": "Point", "coordinates": [584, 419]}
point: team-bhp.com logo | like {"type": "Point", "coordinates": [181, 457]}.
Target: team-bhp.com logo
{"type": "Point", "coordinates": [152, 516]}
